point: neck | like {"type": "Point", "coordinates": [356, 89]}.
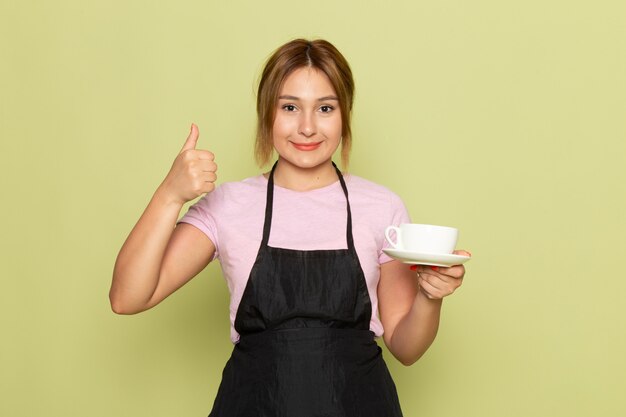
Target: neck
{"type": "Point", "coordinates": [296, 178]}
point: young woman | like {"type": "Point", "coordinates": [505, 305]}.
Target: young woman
{"type": "Point", "coordinates": [301, 250]}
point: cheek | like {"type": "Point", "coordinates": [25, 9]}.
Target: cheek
{"type": "Point", "coordinates": [282, 126]}
{"type": "Point", "coordinates": [333, 127]}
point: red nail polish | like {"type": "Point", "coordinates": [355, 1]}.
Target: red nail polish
{"type": "Point", "coordinates": [413, 267]}
{"type": "Point", "coordinates": [434, 268]}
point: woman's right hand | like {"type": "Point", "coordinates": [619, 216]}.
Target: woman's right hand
{"type": "Point", "coordinates": [158, 257]}
{"type": "Point", "coordinates": [192, 173]}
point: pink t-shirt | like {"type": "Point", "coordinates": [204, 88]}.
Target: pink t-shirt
{"type": "Point", "coordinates": [232, 217]}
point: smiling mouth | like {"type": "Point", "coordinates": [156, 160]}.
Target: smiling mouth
{"type": "Point", "coordinates": [306, 146]}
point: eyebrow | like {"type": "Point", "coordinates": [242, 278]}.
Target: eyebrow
{"type": "Point", "coordinates": [325, 98]}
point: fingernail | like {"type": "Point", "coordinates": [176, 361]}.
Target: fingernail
{"type": "Point", "coordinates": [434, 268]}
{"type": "Point", "coordinates": [413, 267]}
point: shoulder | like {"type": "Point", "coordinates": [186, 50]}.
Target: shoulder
{"type": "Point", "coordinates": [375, 203]}
{"type": "Point", "coordinates": [361, 188]}
{"type": "Point", "coordinates": [232, 194]}
{"type": "Point", "coordinates": [243, 187]}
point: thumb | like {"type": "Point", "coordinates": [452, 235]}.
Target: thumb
{"type": "Point", "coordinates": [192, 139]}
{"type": "Point", "coordinates": [463, 253]}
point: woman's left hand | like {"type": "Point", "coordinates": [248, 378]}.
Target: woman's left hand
{"type": "Point", "coordinates": [438, 282]}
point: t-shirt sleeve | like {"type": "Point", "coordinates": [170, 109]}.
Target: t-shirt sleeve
{"type": "Point", "coordinates": [203, 214]}
{"type": "Point", "coordinates": [399, 215]}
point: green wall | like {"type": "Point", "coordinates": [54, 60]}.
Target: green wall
{"type": "Point", "coordinates": [505, 119]}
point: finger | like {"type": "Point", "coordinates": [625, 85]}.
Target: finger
{"type": "Point", "coordinates": [430, 291]}
{"type": "Point", "coordinates": [433, 280]}
{"type": "Point", "coordinates": [434, 271]}
{"type": "Point", "coordinates": [445, 282]}
{"type": "Point", "coordinates": [199, 176]}
{"type": "Point", "coordinates": [207, 187]}
{"type": "Point", "coordinates": [455, 272]}
{"type": "Point", "coordinates": [202, 154]}
{"type": "Point", "coordinates": [197, 167]}
{"type": "Point", "coordinates": [438, 287]}
{"type": "Point", "coordinates": [208, 176]}
{"type": "Point", "coordinates": [421, 288]}
{"type": "Point", "coordinates": [192, 139]}
{"type": "Point", "coordinates": [206, 165]}
{"type": "Point", "coordinates": [205, 183]}
{"type": "Point", "coordinates": [426, 293]}
{"type": "Point", "coordinates": [462, 253]}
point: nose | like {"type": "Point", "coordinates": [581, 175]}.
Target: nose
{"type": "Point", "coordinates": [307, 125]}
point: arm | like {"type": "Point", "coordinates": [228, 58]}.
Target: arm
{"type": "Point", "coordinates": [410, 306]}
{"type": "Point", "coordinates": [157, 258]}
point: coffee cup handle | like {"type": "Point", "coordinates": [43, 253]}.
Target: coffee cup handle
{"type": "Point", "coordinates": [391, 242]}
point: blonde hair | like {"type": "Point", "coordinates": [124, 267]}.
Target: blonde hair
{"type": "Point", "coordinates": [299, 53]}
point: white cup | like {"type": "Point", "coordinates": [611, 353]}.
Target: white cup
{"type": "Point", "coordinates": [423, 238]}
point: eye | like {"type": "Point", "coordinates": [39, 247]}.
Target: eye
{"type": "Point", "coordinates": [326, 109]}
{"type": "Point", "coordinates": [289, 107]}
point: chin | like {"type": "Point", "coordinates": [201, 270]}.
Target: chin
{"type": "Point", "coordinates": [305, 163]}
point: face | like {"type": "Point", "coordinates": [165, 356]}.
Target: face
{"type": "Point", "coordinates": [307, 126]}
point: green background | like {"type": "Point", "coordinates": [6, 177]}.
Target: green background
{"type": "Point", "coordinates": [504, 119]}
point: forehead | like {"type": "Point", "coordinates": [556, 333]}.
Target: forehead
{"type": "Point", "coordinates": [307, 80]}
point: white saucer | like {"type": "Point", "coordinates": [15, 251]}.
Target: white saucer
{"type": "Point", "coordinates": [420, 258]}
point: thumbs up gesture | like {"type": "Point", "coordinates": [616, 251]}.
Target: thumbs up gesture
{"type": "Point", "coordinates": [192, 173]}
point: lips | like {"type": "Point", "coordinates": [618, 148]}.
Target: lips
{"type": "Point", "coordinates": [306, 146]}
